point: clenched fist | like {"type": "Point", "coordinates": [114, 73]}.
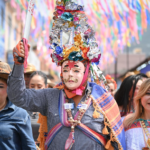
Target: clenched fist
{"type": "Point", "coordinates": [19, 53]}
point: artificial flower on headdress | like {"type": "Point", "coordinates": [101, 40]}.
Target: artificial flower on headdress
{"type": "Point", "coordinates": [84, 51]}
{"type": "Point", "coordinates": [67, 16]}
{"type": "Point", "coordinates": [78, 40]}
{"type": "Point", "coordinates": [58, 50]}
{"type": "Point", "coordinates": [75, 56]}
{"type": "Point", "coordinates": [67, 52]}
{"type": "Point", "coordinates": [60, 10]}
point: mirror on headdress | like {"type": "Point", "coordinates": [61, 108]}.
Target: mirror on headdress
{"type": "Point", "coordinates": [67, 37]}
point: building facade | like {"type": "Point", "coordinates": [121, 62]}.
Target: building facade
{"type": "Point", "coordinates": [12, 23]}
{"type": "Point", "coordinates": [2, 30]}
{"type": "Point", "coordinates": [13, 31]}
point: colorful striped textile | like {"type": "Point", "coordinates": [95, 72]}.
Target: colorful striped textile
{"type": "Point", "coordinates": [62, 111]}
{"type": "Point", "coordinates": [53, 132]}
{"type": "Point", "coordinates": [92, 134]}
{"type": "Point", "coordinates": [111, 112]}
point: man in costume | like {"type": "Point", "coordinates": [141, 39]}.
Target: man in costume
{"type": "Point", "coordinates": [80, 115]}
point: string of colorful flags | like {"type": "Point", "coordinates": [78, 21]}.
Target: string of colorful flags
{"type": "Point", "coordinates": [117, 24]}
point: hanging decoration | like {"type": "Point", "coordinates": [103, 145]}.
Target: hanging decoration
{"type": "Point", "coordinates": [117, 24]}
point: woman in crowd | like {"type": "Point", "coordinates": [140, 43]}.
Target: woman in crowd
{"type": "Point", "coordinates": [126, 93]}
{"type": "Point", "coordinates": [137, 124]}
{"type": "Point", "coordinates": [112, 84]}
{"type": "Point", "coordinates": [38, 80]}
{"type": "Point", "coordinates": [15, 126]}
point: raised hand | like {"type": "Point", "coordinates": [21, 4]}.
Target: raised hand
{"type": "Point", "coordinates": [19, 53]}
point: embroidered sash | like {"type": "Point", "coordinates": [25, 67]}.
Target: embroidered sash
{"type": "Point", "coordinates": [64, 122]}
{"type": "Point", "coordinates": [111, 111]}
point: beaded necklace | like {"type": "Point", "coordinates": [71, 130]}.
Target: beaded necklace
{"type": "Point", "coordinates": [75, 121]}
{"type": "Point", "coordinates": [146, 132]}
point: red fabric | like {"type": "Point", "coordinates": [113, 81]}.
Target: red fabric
{"type": "Point", "coordinates": [63, 9]}
{"type": "Point", "coordinates": [86, 73]}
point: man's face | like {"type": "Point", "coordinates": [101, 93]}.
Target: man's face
{"type": "Point", "coordinates": [3, 91]}
{"type": "Point", "coordinates": [73, 73]}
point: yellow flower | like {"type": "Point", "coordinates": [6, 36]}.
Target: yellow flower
{"type": "Point", "coordinates": [68, 51]}
{"type": "Point", "coordinates": [78, 40]}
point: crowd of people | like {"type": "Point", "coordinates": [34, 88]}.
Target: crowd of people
{"type": "Point", "coordinates": [75, 114]}
{"type": "Point", "coordinates": [20, 128]}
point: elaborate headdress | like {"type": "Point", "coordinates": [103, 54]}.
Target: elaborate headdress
{"type": "Point", "coordinates": [72, 38]}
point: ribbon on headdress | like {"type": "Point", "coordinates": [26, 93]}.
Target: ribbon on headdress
{"type": "Point", "coordinates": [81, 88]}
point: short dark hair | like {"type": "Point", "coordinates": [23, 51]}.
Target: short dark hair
{"type": "Point", "coordinates": [40, 73]}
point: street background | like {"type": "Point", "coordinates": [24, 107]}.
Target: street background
{"type": "Point", "coordinates": [122, 30]}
